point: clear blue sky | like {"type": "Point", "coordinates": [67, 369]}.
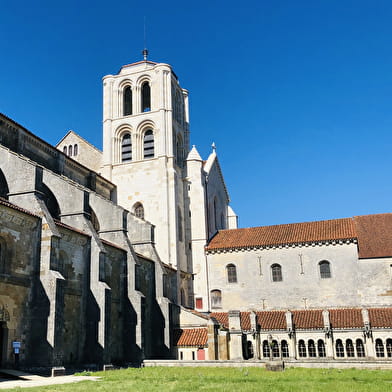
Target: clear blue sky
{"type": "Point", "coordinates": [297, 95]}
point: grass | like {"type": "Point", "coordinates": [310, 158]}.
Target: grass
{"type": "Point", "coordinates": [199, 379]}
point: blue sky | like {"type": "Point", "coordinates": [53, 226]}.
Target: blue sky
{"type": "Point", "coordinates": [297, 95]}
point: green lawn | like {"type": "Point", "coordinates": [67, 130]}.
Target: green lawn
{"type": "Point", "coordinates": [164, 379]}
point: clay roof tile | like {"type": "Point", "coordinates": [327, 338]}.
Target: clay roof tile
{"type": "Point", "coordinates": [191, 337]}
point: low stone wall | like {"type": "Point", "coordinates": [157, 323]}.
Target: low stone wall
{"type": "Point", "coordinates": [338, 364]}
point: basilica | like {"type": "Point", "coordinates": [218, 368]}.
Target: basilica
{"type": "Point", "coordinates": [133, 252]}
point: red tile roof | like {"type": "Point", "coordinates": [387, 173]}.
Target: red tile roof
{"type": "Point", "coordinates": [329, 230]}
{"type": "Point", "coordinates": [380, 317]}
{"type": "Point", "coordinates": [308, 319]}
{"type": "Point", "coordinates": [192, 337]}
{"type": "Point", "coordinates": [221, 317]}
{"type": "Point", "coordinates": [270, 320]}
{"type": "Point", "coordinates": [345, 318]}
{"type": "Point", "coordinates": [374, 235]}
{"type": "Point", "coordinates": [311, 318]}
{"type": "Point", "coordinates": [373, 232]}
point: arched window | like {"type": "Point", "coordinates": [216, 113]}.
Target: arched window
{"type": "Point", "coordinates": [148, 144]}
{"type": "Point", "coordinates": [75, 150]}
{"type": "Point", "coordinates": [389, 348]}
{"type": "Point", "coordinates": [339, 349]}
{"type": "Point", "coordinates": [127, 101]}
{"type": "Point", "coordinates": [321, 348]}
{"type": "Point", "coordinates": [126, 148]}
{"type": "Point", "coordinates": [146, 97]}
{"type": "Point", "coordinates": [179, 151]}
{"type": "Point", "coordinates": [350, 348]}
{"type": "Point", "coordinates": [3, 186]}
{"type": "Point", "coordinates": [179, 224]}
{"type": "Point", "coordinates": [311, 348]}
{"type": "Point", "coordinates": [285, 349]}
{"type": "Point", "coordinates": [301, 349]}
{"type": "Point", "coordinates": [216, 299]}
{"type": "Point", "coordinates": [65, 150]}
{"type": "Point", "coordinates": [231, 273]}
{"type": "Point", "coordinates": [325, 269]}
{"type": "Point", "coordinates": [70, 150]}
{"type": "Point", "coordinates": [266, 349]}
{"type": "Point", "coordinates": [276, 271]}
{"type": "Point", "coordinates": [379, 348]}
{"type": "Point", "coordinates": [360, 348]}
{"type": "Point", "coordinates": [138, 210]}
{"type": "Point", "coordinates": [275, 349]}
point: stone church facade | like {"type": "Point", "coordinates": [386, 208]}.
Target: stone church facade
{"type": "Point", "coordinates": [104, 254]}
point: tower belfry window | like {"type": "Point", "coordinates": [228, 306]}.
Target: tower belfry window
{"type": "Point", "coordinates": [126, 148]}
{"type": "Point", "coordinates": [146, 97]}
{"type": "Point", "coordinates": [127, 101]}
{"type": "Point", "coordinates": [148, 144]}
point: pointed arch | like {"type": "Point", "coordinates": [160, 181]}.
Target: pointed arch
{"type": "Point", "coordinates": [179, 151]}
{"type": "Point", "coordinates": [179, 224]}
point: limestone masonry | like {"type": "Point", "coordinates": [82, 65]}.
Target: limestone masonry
{"type": "Point", "coordinates": [133, 252]}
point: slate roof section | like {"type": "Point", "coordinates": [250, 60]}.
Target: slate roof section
{"type": "Point", "coordinates": [192, 337]}
{"type": "Point", "coordinates": [380, 317]}
{"type": "Point", "coordinates": [294, 233]}
{"type": "Point", "coordinates": [346, 318]}
{"type": "Point", "coordinates": [374, 235]}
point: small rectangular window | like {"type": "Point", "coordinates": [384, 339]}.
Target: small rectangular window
{"type": "Point", "coordinates": [199, 303]}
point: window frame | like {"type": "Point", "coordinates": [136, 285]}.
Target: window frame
{"type": "Point", "coordinates": [216, 299]}
{"type": "Point", "coordinates": [148, 144]}
{"type": "Point", "coordinates": [276, 273]}
{"type": "Point", "coordinates": [231, 273]}
{"type": "Point", "coordinates": [127, 101]}
{"type": "Point", "coordinates": [325, 274]}
{"type": "Point", "coordinates": [125, 147]}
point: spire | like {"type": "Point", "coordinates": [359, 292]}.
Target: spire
{"type": "Point", "coordinates": [193, 155]}
{"type": "Point", "coordinates": [213, 146]}
{"type": "Point", "coordinates": [145, 51]}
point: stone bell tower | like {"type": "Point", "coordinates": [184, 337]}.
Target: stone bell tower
{"type": "Point", "coordinates": [145, 144]}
